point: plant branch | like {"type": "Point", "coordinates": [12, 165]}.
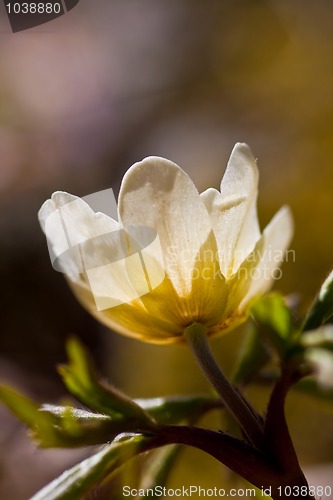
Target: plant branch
{"type": "Point", "coordinates": [276, 429]}
{"type": "Point", "coordinates": [259, 468]}
{"type": "Point", "coordinates": [237, 455]}
{"type": "Point", "coordinates": [241, 410]}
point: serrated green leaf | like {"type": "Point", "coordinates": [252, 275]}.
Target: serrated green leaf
{"type": "Point", "coordinates": [27, 411]}
{"type": "Point", "coordinates": [321, 311]}
{"type": "Point", "coordinates": [24, 408]}
{"type": "Point", "coordinates": [80, 378]}
{"type": "Point", "coordinates": [80, 479]}
{"type": "Point", "coordinates": [273, 320]}
{"type": "Point", "coordinates": [85, 427]}
{"type": "Point", "coordinates": [65, 426]}
{"type": "Point", "coordinates": [80, 415]}
{"type": "Point", "coordinates": [172, 410]}
{"type": "Point", "coordinates": [75, 427]}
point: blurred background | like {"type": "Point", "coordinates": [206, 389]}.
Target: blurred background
{"type": "Point", "coordinates": [88, 94]}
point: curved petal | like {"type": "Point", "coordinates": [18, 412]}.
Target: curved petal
{"type": "Point", "coordinates": [256, 274]}
{"type": "Point", "coordinates": [81, 222]}
{"type": "Point", "coordinates": [92, 247]}
{"type": "Point", "coordinates": [209, 288]}
{"type": "Point", "coordinates": [206, 301]}
{"type": "Point", "coordinates": [161, 315]}
{"type": "Point", "coordinates": [69, 224]}
{"type": "Point", "coordinates": [233, 211]}
{"type": "Point", "coordinates": [158, 194]}
{"type": "Point", "coordinates": [132, 320]}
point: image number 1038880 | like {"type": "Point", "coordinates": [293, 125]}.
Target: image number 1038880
{"type": "Point", "coordinates": [24, 15]}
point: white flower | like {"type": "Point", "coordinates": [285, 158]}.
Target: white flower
{"type": "Point", "coordinates": [208, 261]}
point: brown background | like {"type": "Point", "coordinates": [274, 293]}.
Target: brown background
{"type": "Point", "coordinates": [84, 97]}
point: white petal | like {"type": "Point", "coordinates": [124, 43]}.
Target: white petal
{"type": "Point", "coordinates": [77, 235]}
{"type": "Point", "coordinates": [92, 247]}
{"type": "Point", "coordinates": [233, 211]}
{"type": "Point", "coordinates": [262, 265]}
{"type": "Point", "coordinates": [79, 221]}
{"type": "Point", "coordinates": [132, 319]}
{"type": "Point", "coordinates": [158, 194]}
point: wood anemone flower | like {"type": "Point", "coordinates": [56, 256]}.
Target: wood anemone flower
{"type": "Point", "coordinates": [174, 257]}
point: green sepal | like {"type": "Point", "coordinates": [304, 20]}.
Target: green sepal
{"type": "Point", "coordinates": [321, 311]}
{"type": "Point", "coordinates": [80, 378]}
{"type": "Point", "coordinates": [274, 323]}
{"type": "Point", "coordinates": [82, 478]}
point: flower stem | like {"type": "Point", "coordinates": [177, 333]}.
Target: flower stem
{"type": "Point", "coordinates": [244, 414]}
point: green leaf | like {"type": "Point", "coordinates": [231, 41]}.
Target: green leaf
{"type": "Point", "coordinates": [274, 323]}
{"type": "Point", "coordinates": [321, 311]}
{"type": "Point", "coordinates": [158, 467]}
{"type": "Point", "coordinates": [253, 357]}
{"type": "Point", "coordinates": [27, 411]}
{"type": "Point", "coordinates": [80, 378]}
{"type": "Point", "coordinates": [75, 427]}
{"type": "Point", "coordinates": [65, 426]}
{"type": "Point", "coordinates": [80, 479]}
{"type": "Point", "coordinates": [174, 409]}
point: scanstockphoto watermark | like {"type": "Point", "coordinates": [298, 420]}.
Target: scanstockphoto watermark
{"type": "Point", "coordinates": [198, 491]}
{"type": "Point", "coordinates": [122, 264]}
{"type": "Point", "coordinates": [189, 491]}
